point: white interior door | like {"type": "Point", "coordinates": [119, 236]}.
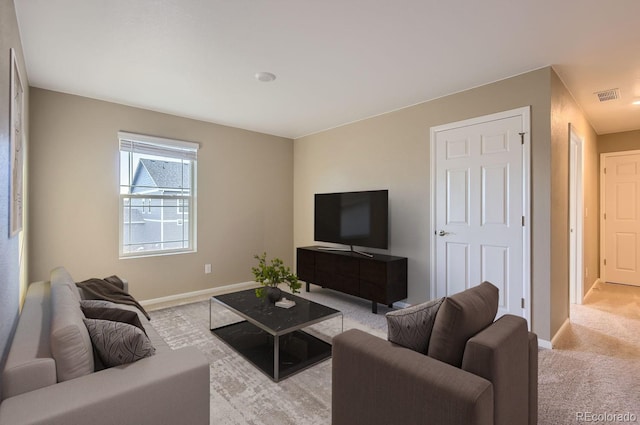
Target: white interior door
{"type": "Point", "coordinates": [621, 218]}
{"type": "Point", "coordinates": [480, 193]}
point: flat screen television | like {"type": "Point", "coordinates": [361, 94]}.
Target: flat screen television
{"type": "Point", "coordinates": [352, 218]}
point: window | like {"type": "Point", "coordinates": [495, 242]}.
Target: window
{"type": "Point", "coordinates": [157, 195]}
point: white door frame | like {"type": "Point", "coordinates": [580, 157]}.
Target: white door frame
{"type": "Point", "coordinates": [525, 115]}
{"type": "Point", "coordinates": [603, 157]}
{"type": "Point", "coordinates": [576, 211]}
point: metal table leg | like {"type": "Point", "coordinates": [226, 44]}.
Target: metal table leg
{"type": "Point", "coordinates": [276, 358]}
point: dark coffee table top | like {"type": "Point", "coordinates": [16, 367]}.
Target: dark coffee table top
{"type": "Point", "coordinates": [276, 320]}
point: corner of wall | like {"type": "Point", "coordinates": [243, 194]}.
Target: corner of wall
{"type": "Point", "coordinates": [13, 249]}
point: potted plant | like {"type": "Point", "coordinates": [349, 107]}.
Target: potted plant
{"type": "Point", "coordinates": [271, 275]}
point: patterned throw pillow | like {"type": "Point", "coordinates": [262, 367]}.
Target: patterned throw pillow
{"type": "Point", "coordinates": [98, 303]}
{"type": "Point", "coordinates": [411, 327]}
{"type": "Point", "coordinates": [118, 343]}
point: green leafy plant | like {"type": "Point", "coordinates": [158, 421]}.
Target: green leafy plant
{"type": "Point", "coordinates": [271, 275]}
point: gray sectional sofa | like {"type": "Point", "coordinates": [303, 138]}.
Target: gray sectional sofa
{"type": "Point", "coordinates": [50, 376]}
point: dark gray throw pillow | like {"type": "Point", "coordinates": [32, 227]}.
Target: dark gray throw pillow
{"type": "Point", "coordinates": [411, 327]}
{"type": "Point", "coordinates": [118, 343]}
{"type": "Point", "coordinates": [113, 314]}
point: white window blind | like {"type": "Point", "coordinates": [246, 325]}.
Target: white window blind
{"type": "Point", "coordinates": [149, 145]}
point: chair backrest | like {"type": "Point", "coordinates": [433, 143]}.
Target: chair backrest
{"type": "Point", "coordinates": [460, 317]}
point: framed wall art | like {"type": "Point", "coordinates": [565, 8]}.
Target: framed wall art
{"type": "Point", "coordinates": [17, 143]}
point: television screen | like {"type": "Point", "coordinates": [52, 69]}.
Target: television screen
{"type": "Point", "coordinates": [352, 218]}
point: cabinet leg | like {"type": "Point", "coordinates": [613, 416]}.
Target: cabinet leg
{"type": "Point", "coordinates": [308, 289]}
{"type": "Point", "coordinates": [374, 307]}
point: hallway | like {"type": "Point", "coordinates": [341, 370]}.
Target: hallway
{"type": "Point", "coordinates": [594, 367]}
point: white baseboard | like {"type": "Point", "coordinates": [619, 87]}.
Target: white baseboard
{"type": "Point", "coordinates": [543, 343]}
{"type": "Point", "coordinates": [189, 297]}
{"type": "Point", "coordinates": [595, 282]}
{"type": "Point", "coordinates": [554, 339]}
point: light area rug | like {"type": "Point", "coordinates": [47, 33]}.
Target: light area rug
{"type": "Point", "coordinates": [593, 371]}
{"type": "Point", "coordinates": [241, 394]}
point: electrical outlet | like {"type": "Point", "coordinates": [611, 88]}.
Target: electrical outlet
{"type": "Point", "coordinates": [207, 268]}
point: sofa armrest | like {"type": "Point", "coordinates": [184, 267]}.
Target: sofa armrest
{"type": "Point", "coordinates": [377, 382]}
{"type": "Point", "coordinates": [168, 388]}
{"type": "Point", "coordinates": [500, 354]}
{"type": "Point", "coordinates": [29, 363]}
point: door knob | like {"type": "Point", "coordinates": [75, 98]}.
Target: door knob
{"type": "Point", "coordinates": [443, 233]}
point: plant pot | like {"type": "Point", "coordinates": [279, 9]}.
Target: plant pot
{"type": "Point", "coordinates": [273, 294]}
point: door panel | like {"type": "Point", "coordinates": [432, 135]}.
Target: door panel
{"type": "Point", "coordinates": [495, 195]}
{"type": "Point", "coordinates": [458, 267]}
{"type": "Point", "coordinates": [495, 264]}
{"type": "Point", "coordinates": [457, 196]}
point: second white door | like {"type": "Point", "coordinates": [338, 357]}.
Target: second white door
{"type": "Point", "coordinates": [621, 224]}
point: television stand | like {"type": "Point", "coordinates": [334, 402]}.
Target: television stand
{"type": "Point", "coordinates": [328, 248]}
{"type": "Point", "coordinates": [379, 278]}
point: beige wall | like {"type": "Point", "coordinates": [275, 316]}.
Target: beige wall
{"type": "Point", "coordinates": [565, 111]}
{"type": "Point", "coordinates": [617, 142]}
{"type": "Point", "coordinates": [244, 200]}
{"type": "Point", "coordinates": [392, 151]}
{"type": "Point", "coordinates": [13, 250]}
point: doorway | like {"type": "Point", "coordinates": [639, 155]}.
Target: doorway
{"type": "Point", "coordinates": [480, 207]}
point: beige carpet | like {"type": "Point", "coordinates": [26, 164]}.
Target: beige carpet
{"type": "Point", "coordinates": [593, 371]}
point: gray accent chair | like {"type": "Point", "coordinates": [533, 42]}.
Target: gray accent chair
{"type": "Point", "coordinates": [475, 372]}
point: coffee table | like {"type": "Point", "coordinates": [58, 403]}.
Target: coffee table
{"type": "Point", "coordinates": [272, 338]}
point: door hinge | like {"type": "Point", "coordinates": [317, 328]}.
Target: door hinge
{"type": "Point", "coordinates": [522, 221]}
{"type": "Point", "coordinates": [521, 302]}
{"type": "Point", "coordinates": [522, 138]}
{"type": "Point", "coordinates": [605, 216]}
{"type": "Point", "coordinates": [605, 261]}
{"type": "Point", "coordinates": [605, 170]}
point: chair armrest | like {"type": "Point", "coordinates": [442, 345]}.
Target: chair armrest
{"type": "Point", "coordinates": [500, 354]}
{"type": "Point", "coordinates": [168, 388]}
{"type": "Point", "coordinates": [377, 382]}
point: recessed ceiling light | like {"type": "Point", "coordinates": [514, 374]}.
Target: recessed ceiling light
{"type": "Point", "coordinates": [265, 77]}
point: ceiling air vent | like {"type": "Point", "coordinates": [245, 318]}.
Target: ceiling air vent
{"type": "Point", "coordinates": [606, 95]}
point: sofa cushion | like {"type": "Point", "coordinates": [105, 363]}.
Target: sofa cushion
{"type": "Point", "coordinates": [70, 342]}
{"type": "Point", "coordinates": [411, 327]}
{"type": "Point", "coordinates": [459, 318]}
{"type": "Point", "coordinates": [118, 343]}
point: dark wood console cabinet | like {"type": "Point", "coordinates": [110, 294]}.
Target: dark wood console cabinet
{"type": "Point", "coordinates": [380, 279]}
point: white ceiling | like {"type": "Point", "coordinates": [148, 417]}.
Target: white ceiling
{"type": "Point", "coordinates": [336, 61]}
